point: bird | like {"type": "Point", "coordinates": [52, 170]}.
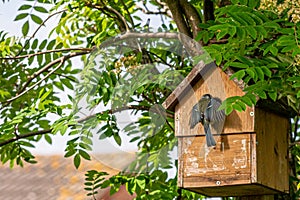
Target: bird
{"type": "Point", "coordinates": [206, 112]}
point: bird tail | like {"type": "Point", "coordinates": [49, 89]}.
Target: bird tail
{"type": "Point", "coordinates": [210, 141]}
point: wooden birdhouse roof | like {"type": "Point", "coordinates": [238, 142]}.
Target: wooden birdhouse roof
{"type": "Point", "coordinates": [201, 71]}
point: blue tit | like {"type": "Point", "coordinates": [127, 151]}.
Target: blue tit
{"type": "Point", "coordinates": [206, 112]}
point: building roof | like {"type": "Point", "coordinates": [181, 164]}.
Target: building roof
{"type": "Point", "coordinates": [56, 178]}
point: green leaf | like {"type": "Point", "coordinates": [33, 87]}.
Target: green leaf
{"type": "Point", "coordinates": [252, 32]}
{"type": "Point", "coordinates": [232, 31]}
{"type": "Point", "coordinates": [294, 78]}
{"type": "Point", "coordinates": [36, 19]}
{"type": "Point", "coordinates": [34, 44]}
{"type": "Point", "coordinates": [239, 75]}
{"type": "Point", "coordinates": [241, 33]}
{"type": "Point", "coordinates": [43, 44]}
{"type": "Point", "coordinates": [273, 95]}
{"type": "Point", "coordinates": [141, 182]}
{"type": "Point", "coordinates": [24, 7]}
{"type": "Point", "coordinates": [85, 146]}
{"type": "Point", "coordinates": [262, 94]}
{"type": "Point", "coordinates": [298, 94]}
{"type": "Point", "coordinates": [70, 153]}
{"type": "Point", "coordinates": [237, 107]}
{"type": "Point", "coordinates": [228, 109]}
{"type": "Point", "coordinates": [40, 9]}
{"type": "Point", "coordinates": [266, 71]}
{"type": "Point", "coordinates": [252, 97]}
{"type": "Point", "coordinates": [67, 83]}
{"type": "Point", "coordinates": [45, 95]}
{"type": "Point", "coordinates": [247, 18]}
{"type": "Point", "coordinates": [272, 24]}
{"type": "Point", "coordinates": [222, 33]}
{"type": "Point", "coordinates": [48, 138]}
{"type": "Point", "coordinates": [238, 19]}
{"type": "Point", "coordinates": [259, 73]}
{"type": "Point", "coordinates": [247, 100]}
{"type": "Point", "coordinates": [242, 105]}
{"type": "Point", "coordinates": [273, 50]}
{"type": "Point", "coordinates": [50, 45]}
{"type": "Point", "coordinates": [40, 59]}
{"type": "Point", "coordinates": [21, 16]}
{"type": "Point", "coordinates": [253, 3]}
{"type": "Point", "coordinates": [77, 161]}
{"type": "Point", "coordinates": [84, 154]}
{"type": "Point", "coordinates": [296, 85]}
{"type": "Point", "coordinates": [25, 28]}
{"type": "Point", "coordinates": [238, 65]}
{"type": "Point", "coordinates": [59, 85]}
{"type": "Point", "coordinates": [272, 65]}
{"type": "Point", "coordinates": [117, 139]}
{"type": "Point", "coordinates": [262, 31]}
{"type": "Point", "coordinates": [244, 2]}
{"type": "Point", "coordinates": [252, 73]}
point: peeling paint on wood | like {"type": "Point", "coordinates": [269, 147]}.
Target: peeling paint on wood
{"type": "Point", "coordinates": [245, 148]}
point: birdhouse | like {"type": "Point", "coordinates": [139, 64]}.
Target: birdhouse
{"type": "Point", "coordinates": [251, 152]}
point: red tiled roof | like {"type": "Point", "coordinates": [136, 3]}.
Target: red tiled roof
{"type": "Point", "coordinates": [54, 177]}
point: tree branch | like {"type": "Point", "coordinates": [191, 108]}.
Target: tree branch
{"type": "Point", "coordinates": [208, 9]}
{"type": "Point", "coordinates": [123, 23]}
{"type": "Point", "coordinates": [60, 60]}
{"type": "Point", "coordinates": [163, 6]}
{"type": "Point", "coordinates": [135, 35]}
{"type": "Point", "coordinates": [149, 12]}
{"type": "Point", "coordinates": [45, 52]}
{"type": "Point", "coordinates": [178, 17]}
{"type": "Point", "coordinates": [192, 16]}
{"type": "Point", "coordinates": [26, 135]}
{"type": "Point", "coordinates": [111, 111]}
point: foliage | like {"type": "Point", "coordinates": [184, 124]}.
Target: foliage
{"type": "Point", "coordinates": [256, 40]}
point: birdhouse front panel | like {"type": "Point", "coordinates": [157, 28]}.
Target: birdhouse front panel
{"type": "Point", "coordinates": [218, 85]}
{"type": "Point", "coordinates": [248, 155]}
{"type": "Point", "coordinates": [226, 164]}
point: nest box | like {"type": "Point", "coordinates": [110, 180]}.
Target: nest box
{"type": "Point", "coordinates": [251, 155]}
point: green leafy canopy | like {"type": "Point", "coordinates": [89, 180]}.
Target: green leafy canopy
{"type": "Point", "coordinates": [43, 81]}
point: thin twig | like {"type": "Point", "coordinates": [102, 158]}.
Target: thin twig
{"type": "Point", "coordinates": [148, 12]}
{"type": "Point", "coordinates": [38, 28]}
{"type": "Point", "coordinates": [104, 8]}
{"type": "Point", "coordinates": [67, 77]}
{"type": "Point", "coordinates": [46, 52]}
{"type": "Point", "coordinates": [60, 61]}
{"type": "Point", "coordinates": [26, 135]}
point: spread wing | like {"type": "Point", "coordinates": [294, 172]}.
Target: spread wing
{"type": "Point", "coordinates": [213, 115]}
{"type": "Point", "coordinates": [197, 112]}
{"type": "Point", "coordinates": [196, 116]}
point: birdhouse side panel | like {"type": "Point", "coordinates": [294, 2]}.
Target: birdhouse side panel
{"type": "Point", "coordinates": [218, 84]}
{"type": "Point", "coordinates": [272, 150]}
{"type": "Point", "coordinates": [229, 163]}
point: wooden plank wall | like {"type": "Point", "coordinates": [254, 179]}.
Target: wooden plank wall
{"type": "Point", "coordinates": [227, 164]}
{"type": "Point", "coordinates": [218, 85]}
{"type": "Point", "coordinates": [272, 150]}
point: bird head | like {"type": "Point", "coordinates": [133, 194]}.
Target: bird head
{"type": "Point", "coordinates": [206, 96]}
